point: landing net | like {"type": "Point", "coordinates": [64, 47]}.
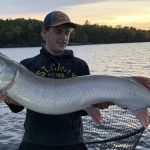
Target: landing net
{"type": "Point", "coordinates": [119, 131]}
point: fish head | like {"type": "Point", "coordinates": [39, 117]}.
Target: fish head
{"type": "Point", "coordinates": [7, 73]}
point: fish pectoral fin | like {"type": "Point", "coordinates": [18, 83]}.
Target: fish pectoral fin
{"type": "Point", "coordinates": [95, 114]}
{"type": "Point", "coordinates": [143, 116]}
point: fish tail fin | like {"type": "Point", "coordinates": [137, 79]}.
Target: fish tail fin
{"type": "Point", "coordinates": [95, 114]}
{"type": "Point", "coordinates": [143, 116]}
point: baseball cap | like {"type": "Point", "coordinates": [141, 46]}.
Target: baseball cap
{"type": "Point", "coordinates": [56, 18]}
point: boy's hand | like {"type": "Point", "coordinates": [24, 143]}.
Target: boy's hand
{"type": "Point", "coordinates": [7, 99]}
{"type": "Point", "coordinates": [143, 80]}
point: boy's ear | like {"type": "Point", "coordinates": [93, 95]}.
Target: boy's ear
{"type": "Point", "coordinates": [44, 34]}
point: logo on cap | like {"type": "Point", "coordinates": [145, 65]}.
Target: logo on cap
{"type": "Point", "coordinates": [62, 17]}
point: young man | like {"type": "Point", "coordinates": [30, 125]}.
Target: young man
{"type": "Point", "coordinates": [56, 132]}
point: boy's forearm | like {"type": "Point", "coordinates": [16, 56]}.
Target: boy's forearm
{"type": "Point", "coordinates": [12, 104]}
{"type": "Point", "coordinates": [15, 108]}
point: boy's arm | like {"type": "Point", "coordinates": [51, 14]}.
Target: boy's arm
{"type": "Point", "coordinates": [12, 104]}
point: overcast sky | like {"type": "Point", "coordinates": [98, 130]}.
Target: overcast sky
{"type": "Point", "coordinates": [134, 13]}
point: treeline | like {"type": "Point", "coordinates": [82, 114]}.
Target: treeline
{"type": "Point", "coordinates": [20, 33]}
{"type": "Point", "coordinates": [26, 33]}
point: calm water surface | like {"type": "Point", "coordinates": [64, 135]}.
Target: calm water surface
{"type": "Point", "coordinates": [112, 59]}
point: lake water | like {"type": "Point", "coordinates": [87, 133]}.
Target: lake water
{"type": "Point", "coordinates": [128, 59]}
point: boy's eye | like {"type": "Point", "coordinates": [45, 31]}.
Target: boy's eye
{"type": "Point", "coordinates": [60, 31]}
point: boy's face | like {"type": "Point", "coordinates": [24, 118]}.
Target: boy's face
{"type": "Point", "coordinates": [57, 39]}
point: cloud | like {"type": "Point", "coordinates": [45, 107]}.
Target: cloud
{"type": "Point", "coordinates": [114, 13]}
{"type": "Point", "coordinates": [19, 6]}
{"type": "Point", "coordinates": [96, 11]}
{"type": "Point", "coordinates": [36, 9]}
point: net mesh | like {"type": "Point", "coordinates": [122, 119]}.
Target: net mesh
{"type": "Point", "coordinates": [119, 131]}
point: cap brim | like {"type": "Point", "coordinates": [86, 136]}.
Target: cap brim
{"type": "Point", "coordinates": [70, 24]}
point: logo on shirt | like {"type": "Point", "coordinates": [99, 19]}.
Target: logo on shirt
{"type": "Point", "coordinates": [55, 71]}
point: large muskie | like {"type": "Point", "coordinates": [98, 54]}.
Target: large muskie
{"type": "Point", "coordinates": [60, 96]}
